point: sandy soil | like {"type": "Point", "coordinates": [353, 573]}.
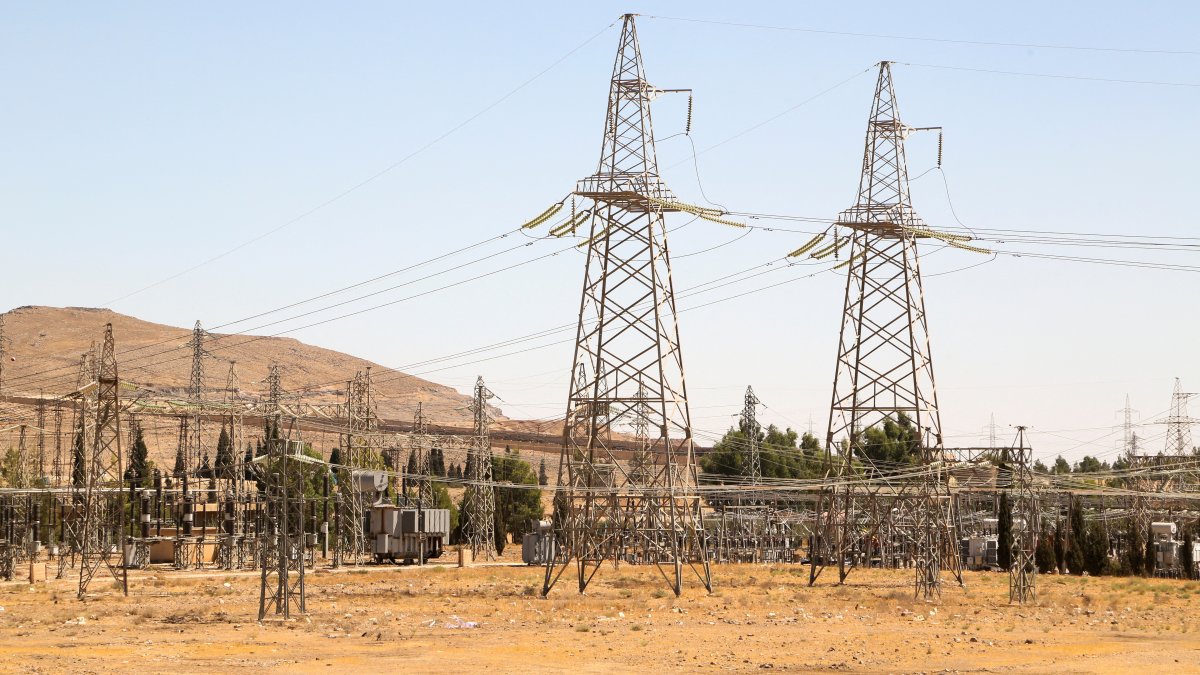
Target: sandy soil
{"type": "Point", "coordinates": [758, 618]}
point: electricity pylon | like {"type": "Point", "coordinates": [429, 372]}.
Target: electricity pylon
{"type": "Point", "coordinates": [421, 482]}
{"type": "Point", "coordinates": [627, 340]}
{"type": "Point", "coordinates": [1026, 523]}
{"type": "Point", "coordinates": [195, 393]}
{"type": "Point", "coordinates": [884, 371]}
{"type": "Point", "coordinates": [1179, 424]}
{"type": "Point", "coordinates": [750, 428]}
{"type": "Point", "coordinates": [104, 498]}
{"type": "Point", "coordinates": [362, 433]}
{"type": "Point", "coordinates": [480, 497]}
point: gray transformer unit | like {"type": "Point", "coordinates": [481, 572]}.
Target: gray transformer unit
{"type": "Point", "coordinates": [408, 534]}
{"type": "Point", "coordinates": [538, 545]}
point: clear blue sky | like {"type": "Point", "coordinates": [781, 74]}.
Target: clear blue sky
{"type": "Point", "coordinates": [144, 138]}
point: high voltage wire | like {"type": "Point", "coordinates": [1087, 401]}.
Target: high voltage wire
{"type": "Point", "coordinates": [370, 179]}
{"type": "Point", "coordinates": [914, 38]}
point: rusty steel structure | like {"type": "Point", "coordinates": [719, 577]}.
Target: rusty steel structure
{"type": "Point", "coordinates": [103, 532]}
{"type": "Point", "coordinates": [479, 498]}
{"type": "Point", "coordinates": [1026, 521]}
{"type": "Point", "coordinates": [627, 341]}
{"type": "Point", "coordinates": [884, 368]}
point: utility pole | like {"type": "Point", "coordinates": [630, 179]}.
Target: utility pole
{"type": "Point", "coordinates": [884, 370]}
{"type": "Point", "coordinates": [102, 537]}
{"type": "Point", "coordinates": [480, 497]}
{"type": "Point", "coordinates": [627, 339]}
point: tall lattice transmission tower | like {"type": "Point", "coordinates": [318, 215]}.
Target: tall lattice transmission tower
{"type": "Point", "coordinates": [627, 339]}
{"type": "Point", "coordinates": [884, 370]}
{"type": "Point", "coordinates": [1026, 522]}
{"type": "Point", "coordinates": [750, 429]}
{"type": "Point", "coordinates": [104, 497]}
{"type": "Point", "coordinates": [480, 497]}
{"type": "Point", "coordinates": [1179, 424]}
{"type": "Point", "coordinates": [419, 446]}
{"type": "Point", "coordinates": [195, 394]}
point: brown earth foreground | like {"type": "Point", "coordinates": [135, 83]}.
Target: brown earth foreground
{"type": "Point", "coordinates": [759, 618]}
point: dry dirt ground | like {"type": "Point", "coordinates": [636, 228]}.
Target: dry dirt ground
{"type": "Point", "coordinates": [491, 618]}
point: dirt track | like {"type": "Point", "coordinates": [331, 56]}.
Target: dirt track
{"type": "Point", "coordinates": [758, 618]}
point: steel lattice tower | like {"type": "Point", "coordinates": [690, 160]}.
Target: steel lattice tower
{"type": "Point", "coordinates": [751, 428]}
{"type": "Point", "coordinates": [362, 426]}
{"type": "Point", "coordinates": [281, 585]}
{"type": "Point", "coordinates": [480, 497]}
{"type": "Point", "coordinates": [884, 370]}
{"type": "Point", "coordinates": [104, 496]}
{"type": "Point", "coordinates": [627, 339]}
{"type": "Point", "coordinates": [1179, 424]}
{"type": "Point", "coordinates": [419, 446]}
{"type": "Point", "coordinates": [1026, 523]}
{"type": "Point", "coordinates": [195, 394]}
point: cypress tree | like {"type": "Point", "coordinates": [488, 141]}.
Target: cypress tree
{"type": "Point", "coordinates": [1151, 562]}
{"type": "Point", "coordinates": [1060, 548]}
{"type": "Point", "coordinates": [248, 462]}
{"type": "Point", "coordinates": [543, 479]}
{"type": "Point", "coordinates": [1187, 562]}
{"type": "Point", "coordinates": [1078, 542]}
{"type": "Point", "coordinates": [78, 462]}
{"type": "Point", "coordinates": [1004, 536]}
{"type": "Point", "coordinates": [1135, 555]}
{"type": "Point", "coordinates": [225, 459]}
{"type": "Point", "coordinates": [411, 469]}
{"type": "Point", "coordinates": [139, 463]}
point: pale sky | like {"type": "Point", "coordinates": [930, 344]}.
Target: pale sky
{"type": "Point", "coordinates": [145, 139]}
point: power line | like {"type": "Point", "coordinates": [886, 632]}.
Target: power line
{"type": "Point", "coordinates": [914, 38]}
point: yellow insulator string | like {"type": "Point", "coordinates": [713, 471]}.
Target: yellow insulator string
{"type": "Point", "coordinates": [543, 216]}
{"type": "Point", "coordinates": [808, 246]}
{"type": "Point", "coordinates": [967, 247]}
{"type": "Point", "coordinates": [571, 225]}
{"type": "Point", "coordinates": [596, 237]}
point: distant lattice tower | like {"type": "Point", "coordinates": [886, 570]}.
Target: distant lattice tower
{"type": "Point", "coordinates": [1179, 424]}
{"type": "Point", "coordinates": [884, 369]}
{"type": "Point", "coordinates": [480, 497]}
{"type": "Point", "coordinates": [628, 341]}
{"type": "Point", "coordinates": [750, 429]}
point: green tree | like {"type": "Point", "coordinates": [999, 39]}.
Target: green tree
{"type": "Point", "coordinates": [1078, 543]}
{"type": "Point", "coordinates": [140, 467]}
{"type": "Point", "coordinates": [543, 478]}
{"type": "Point", "coordinates": [1043, 555]}
{"type": "Point", "coordinates": [1135, 549]}
{"type": "Point", "coordinates": [1061, 466]}
{"type": "Point", "coordinates": [893, 442]}
{"type": "Point", "coordinates": [78, 462]}
{"type": "Point", "coordinates": [515, 506]}
{"type": "Point", "coordinates": [1004, 534]}
{"type": "Point", "coordinates": [1089, 464]}
{"type": "Point", "coordinates": [1187, 562]}
{"type": "Point", "coordinates": [1095, 550]}
{"type": "Point", "coordinates": [1039, 467]}
{"type": "Point", "coordinates": [225, 455]}
{"type": "Point", "coordinates": [1151, 559]}
{"type": "Point", "coordinates": [9, 467]}
{"type": "Point", "coordinates": [180, 464]}
{"type": "Point", "coordinates": [1060, 548]}
{"type": "Point", "coordinates": [437, 462]}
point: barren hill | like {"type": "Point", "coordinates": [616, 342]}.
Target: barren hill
{"type": "Point", "coordinates": [44, 345]}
